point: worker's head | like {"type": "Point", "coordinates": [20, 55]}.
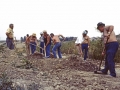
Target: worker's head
{"type": "Point", "coordinates": [27, 35]}
{"type": "Point", "coordinates": [11, 26]}
{"type": "Point", "coordinates": [85, 33]}
{"type": "Point", "coordinates": [34, 35]}
{"type": "Point", "coordinates": [100, 26]}
{"type": "Point", "coordinates": [44, 32]}
{"type": "Point", "coordinates": [41, 33]}
{"type": "Point", "coordinates": [52, 35]}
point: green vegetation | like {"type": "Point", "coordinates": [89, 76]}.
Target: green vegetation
{"type": "Point", "coordinates": [95, 50]}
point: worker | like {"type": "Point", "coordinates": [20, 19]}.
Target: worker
{"type": "Point", "coordinates": [41, 43]}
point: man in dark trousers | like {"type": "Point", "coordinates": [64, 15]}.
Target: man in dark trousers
{"type": "Point", "coordinates": [111, 47]}
{"type": "Point", "coordinates": [10, 37]}
{"type": "Point", "coordinates": [57, 44]}
{"type": "Point", "coordinates": [47, 41]}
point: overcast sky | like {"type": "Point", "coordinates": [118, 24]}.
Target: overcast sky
{"type": "Point", "coordinates": [67, 17]}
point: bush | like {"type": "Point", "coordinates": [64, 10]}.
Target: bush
{"type": "Point", "coordinates": [68, 47]}
{"type": "Point", "coordinates": [95, 50]}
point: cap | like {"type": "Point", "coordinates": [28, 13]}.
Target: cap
{"type": "Point", "coordinates": [34, 34]}
{"type": "Point", "coordinates": [85, 32]}
{"type": "Point", "coordinates": [44, 31]}
{"type": "Point", "coordinates": [41, 33]}
{"type": "Point", "coordinates": [99, 24]}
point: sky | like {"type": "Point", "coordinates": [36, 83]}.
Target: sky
{"type": "Point", "coordinates": [66, 17]}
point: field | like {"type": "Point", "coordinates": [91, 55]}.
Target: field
{"type": "Point", "coordinates": [19, 72]}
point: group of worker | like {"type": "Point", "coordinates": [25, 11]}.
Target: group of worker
{"type": "Point", "coordinates": [45, 44]}
{"type": "Point", "coordinates": [31, 42]}
{"type": "Point", "coordinates": [82, 43]}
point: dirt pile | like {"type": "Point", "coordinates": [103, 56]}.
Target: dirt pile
{"type": "Point", "coordinates": [70, 73]}
{"type": "Point", "coordinates": [77, 63]}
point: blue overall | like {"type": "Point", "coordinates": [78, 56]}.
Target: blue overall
{"type": "Point", "coordinates": [85, 47]}
{"type": "Point", "coordinates": [48, 49]}
{"type": "Point", "coordinates": [111, 49]}
{"type": "Point", "coordinates": [42, 47]}
{"type": "Point", "coordinates": [9, 43]}
{"type": "Point", "coordinates": [33, 47]}
{"type": "Point", "coordinates": [57, 47]}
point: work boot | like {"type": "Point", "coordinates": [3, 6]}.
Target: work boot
{"type": "Point", "coordinates": [100, 72]}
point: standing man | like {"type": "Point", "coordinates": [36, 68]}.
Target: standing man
{"type": "Point", "coordinates": [21, 39]}
{"type": "Point", "coordinates": [57, 44]}
{"type": "Point", "coordinates": [41, 43]}
{"type": "Point", "coordinates": [111, 47]}
{"type": "Point", "coordinates": [10, 37]}
{"type": "Point", "coordinates": [85, 44]}
{"type": "Point", "coordinates": [47, 41]}
{"type": "Point", "coordinates": [24, 38]}
{"type": "Point", "coordinates": [27, 44]}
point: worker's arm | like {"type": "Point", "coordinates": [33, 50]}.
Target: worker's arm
{"type": "Point", "coordinates": [8, 32]}
{"type": "Point", "coordinates": [61, 36]}
{"type": "Point", "coordinates": [54, 41]}
{"type": "Point", "coordinates": [108, 31]}
{"type": "Point", "coordinates": [80, 48]}
{"type": "Point", "coordinates": [48, 40]}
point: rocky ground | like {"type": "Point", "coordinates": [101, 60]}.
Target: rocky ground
{"type": "Point", "coordinates": [19, 72]}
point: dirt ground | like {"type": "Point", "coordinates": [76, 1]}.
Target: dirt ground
{"type": "Point", "coordinates": [69, 73]}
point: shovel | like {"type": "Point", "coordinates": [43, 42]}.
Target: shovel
{"type": "Point", "coordinates": [99, 69]}
{"type": "Point", "coordinates": [37, 46]}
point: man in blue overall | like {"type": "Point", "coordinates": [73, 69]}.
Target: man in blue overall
{"type": "Point", "coordinates": [10, 37]}
{"type": "Point", "coordinates": [111, 47]}
{"type": "Point", "coordinates": [57, 44]}
{"type": "Point", "coordinates": [47, 41]}
{"type": "Point", "coordinates": [41, 43]}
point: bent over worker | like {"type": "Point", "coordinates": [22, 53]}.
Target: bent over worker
{"type": "Point", "coordinates": [10, 37]}
{"type": "Point", "coordinates": [57, 45]}
{"type": "Point", "coordinates": [33, 43]}
{"type": "Point", "coordinates": [111, 47]}
{"type": "Point", "coordinates": [47, 42]}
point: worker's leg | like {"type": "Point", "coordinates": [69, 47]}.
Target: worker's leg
{"type": "Point", "coordinates": [48, 50]}
{"type": "Point", "coordinates": [86, 51]}
{"type": "Point", "coordinates": [59, 51]}
{"type": "Point", "coordinates": [54, 50]}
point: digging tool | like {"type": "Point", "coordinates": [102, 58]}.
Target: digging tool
{"type": "Point", "coordinates": [14, 43]}
{"type": "Point", "coordinates": [37, 46]}
{"type": "Point", "coordinates": [104, 51]}
{"type": "Point", "coordinates": [44, 50]}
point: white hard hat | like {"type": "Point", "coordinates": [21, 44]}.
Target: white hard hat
{"type": "Point", "coordinates": [44, 31]}
{"type": "Point", "coordinates": [41, 33]}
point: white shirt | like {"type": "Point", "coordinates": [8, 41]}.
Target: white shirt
{"type": "Point", "coordinates": [41, 39]}
{"type": "Point", "coordinates": [79, 40]}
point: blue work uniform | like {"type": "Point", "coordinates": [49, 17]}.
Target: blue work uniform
{"type": "Point", "coordinates": [111, 49]}
{"type": "Point", "coordinates": [57, 46]}
{"type": "Point", "coordinates": [33, 45]}
{"type": "Point", "coordinates": [47, 47]}
{"type": "Point", "coordinates": [85, 47]}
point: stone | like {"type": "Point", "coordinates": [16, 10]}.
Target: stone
{"type": "Point", "coordinates": [49, 88]}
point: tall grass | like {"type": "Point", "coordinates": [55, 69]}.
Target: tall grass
{"type": "Point", "coordinates": [95, 50]}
